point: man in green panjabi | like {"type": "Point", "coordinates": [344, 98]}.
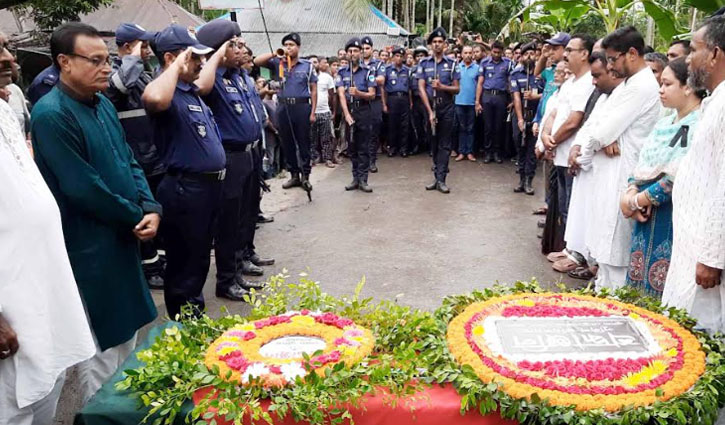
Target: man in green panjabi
{"type": "Point", "coordinates": [105, 202]}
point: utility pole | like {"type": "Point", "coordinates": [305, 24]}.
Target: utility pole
{"type": "Point", "coordinates": [450, 25]}
{"type": "Point", "coordinates": [427, 16]}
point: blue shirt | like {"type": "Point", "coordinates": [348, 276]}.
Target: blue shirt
{"type": "Point", "coordinates": [413, 81]}
{"type": "Point", "coordinates": [469, 78]}
{"type": "Point", "coordinates": [446, 71]}
{"type": "Point", "coordinates": [237, 121]}
{"type": "Point", "coordinates": [549, 88]}
{"type": "Point", "coordinates": [297, 80]}
{"type": "Point", "coordinates": [522, 81]}
{"type": "Point", "coordinates": [378, 69]}
{"type": "Point", "coordinates": [495, 74]}
{"type": "Point", "coordinates": [363, 78]}
{"type": "Point", "coordinates": [187, 135]}
{"type": "Point", "coordinates": [249, 90]}
{"type": "Point", "coordinates": [397, 79]}
{"type": "Point", "coordinates": [43, 83]}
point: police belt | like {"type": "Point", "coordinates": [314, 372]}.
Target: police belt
{"type": "Point", "coordinates": [207, 176]}
{"type": "Point", "coordinates": [239, 147]}
{"type": "Point", "coordinates": [398, 94]}
{"type": "Point", "coordinates": [495, 92]}
{"type": "Point", "coordinates": [357, 103]}
{"type": "Point", "coordinates": [294, 100]}
{"type": "Point", "coordinates": [442, 101]}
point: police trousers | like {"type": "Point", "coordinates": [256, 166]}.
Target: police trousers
{"type": "Point", "coordinates": [527, 157]}
{"type": "Point", "coordinates": [234, 216]}
{"type": "Point", "coordinates": [376, 122]}
{"type": "Point", "coordinates": [398, 116]}
{"type": "Point", "coordinates": [441, 141]}
{"type": "Point", "coordinates": [494, 123]}
{"type": "Point", "coordinates": [191, 208]}
{"type": "Point", "coordinates": [419, 123]}
{"type": "Point", "coordinates": [358, 141]}
{"type": "Point", "coordinates": [253, 201]}
{"type": "Point", "coordinates": [294, 129]}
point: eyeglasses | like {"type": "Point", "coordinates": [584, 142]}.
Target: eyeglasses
{"type": "Point", "coordinates": [611, 60]}
{"type": "Point", "coordinates": [96, 62]}
{"type": "Point", "coordinates": [569, 50]}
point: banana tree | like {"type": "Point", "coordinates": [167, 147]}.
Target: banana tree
{"type": "Point", "coordinates": [707, 6]}
{"type": "Point", "coordinates": [612, 12]}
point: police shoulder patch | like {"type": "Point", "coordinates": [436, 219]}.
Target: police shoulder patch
{"type": "Point", "coordinates": [371, 77]}
{"type": "Point", "coordinates": [195, 108]}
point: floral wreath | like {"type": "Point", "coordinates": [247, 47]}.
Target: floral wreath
{"type": "Point", "coordinates": [237, 354]}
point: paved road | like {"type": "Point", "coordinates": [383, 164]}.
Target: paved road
{"type": "Point", "coordinates": [408, 243]}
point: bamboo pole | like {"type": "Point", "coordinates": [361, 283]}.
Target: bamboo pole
{"type": "Point", "coordinates": [450, 23]}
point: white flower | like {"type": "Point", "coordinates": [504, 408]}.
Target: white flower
{"type": "Point", "coordinates": [255, 370]}
{"type": "Point", "coordinates": [291, 371]}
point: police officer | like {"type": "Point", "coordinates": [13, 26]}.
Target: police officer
{"type": "Point", "coordinates": [492, 99]}
{"type": "Point", "coordinates": [297, 103]}
{"type": "Point", "coordinates": [376, 107]}
{"type": "Point", "coordinates": [438, 82]}
{"type": "Point", "coordinates": [127, 82]}
{"type": "Point", "coordinates": [43, 83]}
{"type": "Point", "coordinates": [396, 102]}
{"type": "Point", "coordinates": [418, 113]}
{"type": "Point", "coordinates": [356, 89]}
{"type": "Point", "coordinates": [526, 89]}
{"type": "Point", "coordinates": [191, 147]}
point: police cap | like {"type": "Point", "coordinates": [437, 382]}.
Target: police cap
{"type": "Point", "coordinates": [421, 49]}
{"type": "Point", "coordinates": [294, 37]}
{"type": "Point", "coordinates": [528, 46]}
{"type": "Point", "coordinates": [353, 42]}
{"type": "Point", "coordinates": [175, 37]}
{"type": "Point", "coordinates": [398, 49]}
{"type": "Point", "coordinates": [367, 40]}
{"type": "Point", "coordinates": [126, 33]}
{"type": "Point", "coordinates": [438, 32]}
{"type": "Point", "coordinates": [217, 32]}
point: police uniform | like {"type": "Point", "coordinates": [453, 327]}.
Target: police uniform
{"type": "Point", "coordinates": [240, 134]}
{"type": "Point", "coordinates": [43, 83]}
{"type": "Point", "coordinates": [190, 144]}
{"type": "Point", "coordinates": [418, 138]}
{"type": "Point", "coordinates": [496, 76]}
{"type": "Point", "coordinates": [359, 134]}
{"type": "Point", "coordinates": [127, 83]}
{"type": "Point", "coordinates": [294, 111]}
{"type": "Point", "coordinates": [442, 103]}
{"type": "Point", "coordinates": [397, 92]}
{"type": "Point", "coordinates": [525, 80]}
{"type": "Point", "coordinates": [377, 67]}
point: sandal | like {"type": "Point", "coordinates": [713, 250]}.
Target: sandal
{"type": "Point", "coordinates": [540, 211]}
{"type": "Point", "coordinates": [564, 266]}
{"type": "Point", "coordinates": [583, 273]}
{"type": "Point", "coordinates": [553, 257]}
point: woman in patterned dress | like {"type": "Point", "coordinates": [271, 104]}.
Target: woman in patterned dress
{"type": "Point", "coordinates": [648, 199]}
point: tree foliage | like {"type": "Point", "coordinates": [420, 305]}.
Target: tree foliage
{"type": "Point", "coordinates": [49, 14]}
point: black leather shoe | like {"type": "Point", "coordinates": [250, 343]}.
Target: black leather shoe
{"type": "Point", "coordinates": [249, 269]}
{"type": "Point", "coordinates": [432, 186]}
{"type": "Point", "coordinates": [520, 187]}
{"type": "Point", "coordinates": [259, 261]}
{"type": "Point", "coordinates": [364, 187]}
{"type": "Point", "coordinates": [404, 154]}
{"type": "Point", "coordinates": [487, 158]}
{"type": "Point", "coordinates": [391, 153]}
{"type": "Point", "coordinates": [249, 285]}
{"type": "Point", "coordinates": [235, 293]}
{"type": "Point", "coordinates": [373, 168]}
{"type": "Point", "coordinates": [261, 218]}
{"type": "Point", "coordinates": [294, 181]}
{"type": "Point", "coordinates": [155, 282]}
{"type": "Point", "coordinates": [497, 158]}
{"type": "Point", "coordinates": [528, 186]}
{"type": "Point", "coordinates": [442, 188]}
{"type": "Point", "coordinates": [353, 185]}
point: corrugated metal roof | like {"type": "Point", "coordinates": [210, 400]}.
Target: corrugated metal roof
{"type": "Point", "coordinates": [317, 44]}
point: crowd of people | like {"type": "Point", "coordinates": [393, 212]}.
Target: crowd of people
{"type": "Point", "coordinates": [121, 177]}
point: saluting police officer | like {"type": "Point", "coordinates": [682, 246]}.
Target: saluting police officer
{"type": "Point", "coordinates": [526, 89]}
{"type": "Point", "coordinates": [297, 103]}
{"type": "Point", "coordinates": [191, 147]}
{"type": "Point", "coordinates": [356, 89]}
{"type": "Point", "coordinates": [376, 107]}
{"type": "Point", "coordinates": [418, 113]}
{"type": "Point", "coordinates": [492, 99]}
{"type": "Point", "coordinates": [127, 82]}
{"type": "Point", "coordinates": [438, 82]}
{"type": "Point", "coordinates": [396, 102]}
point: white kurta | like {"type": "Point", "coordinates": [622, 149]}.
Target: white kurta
{"type": "Point", "coordinates": [698, 219]}
{"type": "Point", "coordinates": [578, 216]}
{"type": "Point", "coordinates": [631, 113]}
{"type": "Point", "coordinates": [38, 294]}
{"type": "Point", "coordinates": [573, 97]}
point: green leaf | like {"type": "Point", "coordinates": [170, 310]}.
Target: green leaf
{"type": "Point", "coordinates": [664, 19]}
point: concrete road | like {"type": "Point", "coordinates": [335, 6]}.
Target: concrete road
{"type": "Point", "coordinates": [408, 243]}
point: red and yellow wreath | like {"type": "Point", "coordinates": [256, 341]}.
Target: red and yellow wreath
{"type": "Point", "coordinates": [271, 349]}
{"type": "Point", "coordinates": [576, 350]}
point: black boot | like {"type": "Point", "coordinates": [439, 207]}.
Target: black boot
{"type": "Point", "coordinates": [373, 167]}
{"type": "Point", "coordinates": [294, 181]}
{"type": "Point", "coordinates": [363, 185]}
{"type": "Point", "coordinates": [432, 186]}
{"type": "Point", "coordinates": [354, 184]}
{"type": "Point", "coordinates": [442, 188]}
{"type": "Point", "coordinates": [497, 158]}
{"type": "Point", "coordinates": [487, 158]}
{"type": "Point", "coordinates": [520, 187]}
{"type": "Point", "coordinates": [528, 186]}
{"type": "Point", "coordinates": [306, 185]}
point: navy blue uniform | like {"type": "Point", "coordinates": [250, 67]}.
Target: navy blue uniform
{"type": "Point", "coordinates": [446, 71]}
{"type": "Point", "coordinates": [294, 112]}
{"type": "Point", "coordinates": [397, 91]}
{"type": "Point", "coordinates": [521, 81]}
{"type": "Point", "coordinates": [43, 83]}
{"type": "Point", "coordinates": [418, 118]}
{"type": "Point", "coordinates": [240, 134]}
{"type": "Point", "coordinates": [494, 100]}
{"type": "Point", "coordinates": [359, 134]}
{"type": "Point", "coordinates": [190, 145]}
{"type": "Point", "coordinates": [377, 68]}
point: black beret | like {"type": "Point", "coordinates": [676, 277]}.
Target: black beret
{"type": "Point", "coordinates": [438, 32]}
{"type": "Point", "coordinates": [367, 40]}
{"type": "Point", "coordinates": [353, 42]}
{"type": "Point", "coordinates": [293, 36]}
{"type": "Point", "coordinates": [217, 32]}
{"type": "Point", "coordinates": [421, 49]}
{"type": "Point", "coordinates": [528, 46]}
{"type": "Point", "coordinates": [398, 49]}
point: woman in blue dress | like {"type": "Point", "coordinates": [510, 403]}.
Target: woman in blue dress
{"type": "Point", "coordinates": [648, 198]}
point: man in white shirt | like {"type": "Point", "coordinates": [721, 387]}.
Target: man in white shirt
{"type": "Point", "coordinates": [695, 277]}
{"type": "Point", "coordinates": [322, 130]}
{"type": "Point", "coordinates": [632, 111]}
{"type": "Point", "coordinates": [561, 127]}
{"type": "Point", "coordinates": [43, 327]}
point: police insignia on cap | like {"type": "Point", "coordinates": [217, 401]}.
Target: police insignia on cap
{"type": "Point", "coordinates": [201, 129]}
